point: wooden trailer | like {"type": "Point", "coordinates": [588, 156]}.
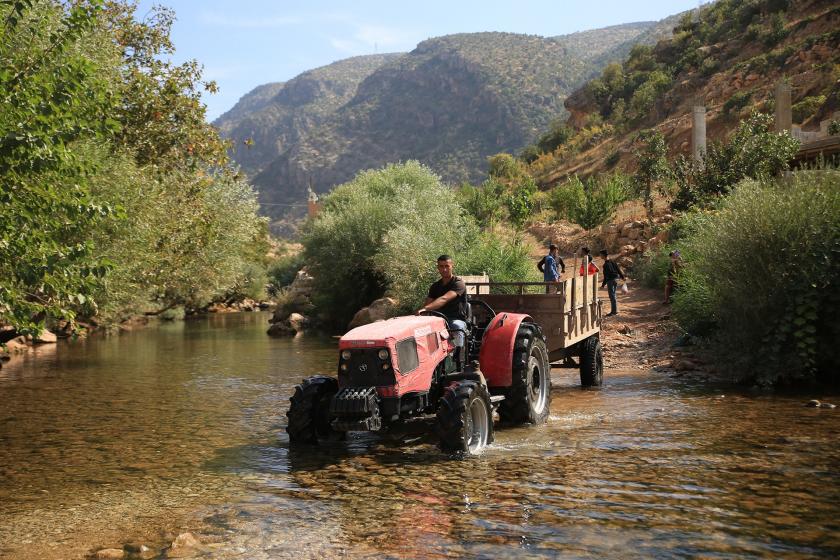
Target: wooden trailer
{"type": "Point", "coordinates": [568, 312]}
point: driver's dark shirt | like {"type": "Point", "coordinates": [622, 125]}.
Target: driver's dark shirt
{"type": "Point", "coordinates": [457, 307]}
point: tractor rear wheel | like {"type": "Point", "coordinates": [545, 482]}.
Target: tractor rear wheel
{"type": "Point", "coordinates": [465, 418]}
{"type": "Point", "coordinates": [591, 362]}
{"type": "Point", "coordinates": [529, 396]}
{"type": "Point", "coordinates": [308, 414]}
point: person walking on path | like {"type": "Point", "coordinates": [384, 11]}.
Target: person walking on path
{"type": "Point", "coordinates": [612, 272]}
{"type": "Point", "coordinates": [548, 265]}
{"type": "Point", "coordinates": [671, 282]}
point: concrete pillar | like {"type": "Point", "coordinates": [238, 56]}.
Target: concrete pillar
{"type": "Point", "coordinates": [698, 131]}
{"type": "Point", "coordinates": [784, 115]}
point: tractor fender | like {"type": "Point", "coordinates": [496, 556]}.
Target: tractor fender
{"type": "Point", "coordinates": [496, 355]}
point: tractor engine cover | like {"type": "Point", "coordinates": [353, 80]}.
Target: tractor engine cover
{"type": "Point", "coordinates": [356, 409]}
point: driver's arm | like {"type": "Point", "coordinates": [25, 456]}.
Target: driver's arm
{"type": "Point", "coordinates": [433, 304]}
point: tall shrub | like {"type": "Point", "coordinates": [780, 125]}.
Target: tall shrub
{"type": "Point", "coordinates": [760, 270]}
{"type": "Point", "coordinates": [380, 232]}
{"type": "Point", "coordinates": [589, 203]}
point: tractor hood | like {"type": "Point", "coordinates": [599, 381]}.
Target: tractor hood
{"type": "Point", "coordinates": [387, 333]}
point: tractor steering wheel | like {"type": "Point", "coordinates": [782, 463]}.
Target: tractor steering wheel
{"type": "Point", "coordinates": [433, 313]}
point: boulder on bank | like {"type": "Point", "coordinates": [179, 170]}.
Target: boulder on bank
{"type": "Point", "coordinates": [289, 326]}
{"type": "Point", "coordinates": [289, 317]}
{"type": "Point", "coordinates": [46, 337]}
{"type": "Point", "coordinates": [380, 309]}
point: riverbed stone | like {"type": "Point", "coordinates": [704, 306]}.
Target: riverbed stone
{"type": "Point", "coordinates": [827, 405]}
{"type": "Point", "coordinates": [185, 545]}
{"type": "Point", "coordinates": [109, 554]}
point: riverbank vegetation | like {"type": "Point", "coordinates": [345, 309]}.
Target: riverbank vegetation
{"type": "Point", "coordinates": [116, 196]}
{"type": "Point", "coordinates": [380, 234]}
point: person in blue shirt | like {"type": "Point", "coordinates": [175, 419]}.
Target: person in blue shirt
{"type": "Point", "coordinates": [549, 264]}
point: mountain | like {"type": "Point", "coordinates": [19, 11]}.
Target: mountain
{"type": "Point", "coordinates": [728, 55]}
{"type": "Point", "coordinates": [272, 117]}
{"type": "Point", "coordinates": [450, 103]}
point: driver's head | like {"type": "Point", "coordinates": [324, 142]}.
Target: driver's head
{"type": "Point", "coordinates": [445, 266]}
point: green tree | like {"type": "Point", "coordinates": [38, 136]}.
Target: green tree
{"type": "Point", "coordinates": [754, 151]}
{"type": "Point", "coordinates": [652, 167]}
{"type": "Point", "coordinates": [106, 209]}
{"type": "Point", "coordinates": [520, 202]}
{"type": "Point", "coordinates": [52, 97]}
{"type": "Point", "coordinates": [380, 234]}
{"type": "Point", "coordinates": [484, 203]}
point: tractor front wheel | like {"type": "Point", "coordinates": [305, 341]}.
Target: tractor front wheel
{"type": "Point", "coordinates": [591, 362]}
{"type": "Point", "coordinates": [529, 396]}
{"type": "Point", "coordinates": [465, 418]}
{"type": "Point", "coordinates": [308, 414]}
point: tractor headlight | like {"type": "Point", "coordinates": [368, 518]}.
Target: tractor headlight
{"type": "Point", "coordinates": [343, 367]}
{"type": "Point", "coordinates": [345, 354]}
{"type": "Point", "coordinates": [386, 366]}
{"type": "Point", "coordinates": [383, 354]}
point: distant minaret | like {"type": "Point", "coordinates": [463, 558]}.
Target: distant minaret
{"type": "Point", "coordinates": [313, 206]}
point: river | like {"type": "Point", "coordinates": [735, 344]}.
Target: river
{"type": "Point", "coordinates": [138, 437]}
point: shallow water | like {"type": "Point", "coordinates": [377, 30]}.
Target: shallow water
{"type": "Point", "coordinates": [180, 427]}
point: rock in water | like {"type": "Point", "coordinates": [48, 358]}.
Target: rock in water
{"type": "Point", "coordinates": [185, 545]}
{"type": "Point", "coordinates": [109, 554]}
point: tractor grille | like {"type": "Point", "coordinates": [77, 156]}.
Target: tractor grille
{"type": "Point", "coordinates": [365, 370]}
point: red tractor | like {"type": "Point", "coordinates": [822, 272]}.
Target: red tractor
{"type": "Point", "coordinates": [404, 370]}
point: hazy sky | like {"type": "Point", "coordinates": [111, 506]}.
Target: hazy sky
{"type": "Point", "coordinates": [251, 42]}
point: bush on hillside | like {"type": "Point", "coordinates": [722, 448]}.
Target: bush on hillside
{"type": "Point", "coordinates": [484, 203]}
{"type": "Point", "coordinates": [760, 270]}
{"type": "Point", "coordinates": [589, 203]}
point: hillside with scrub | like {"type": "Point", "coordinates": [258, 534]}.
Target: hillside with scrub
{"type": "Point", "coordinates": [729, 56]}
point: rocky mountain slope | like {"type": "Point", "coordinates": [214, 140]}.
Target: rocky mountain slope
{"type": "Point", "coordinates": [450, 103]}
{"type": "Point", "coordinates": [272, 117]}
{"type": "Point", "coordinates": [729, 56]}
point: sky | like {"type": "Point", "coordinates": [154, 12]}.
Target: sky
{"type": "Point", "coordinates": [247, 43]}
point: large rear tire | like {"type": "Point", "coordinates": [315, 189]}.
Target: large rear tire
{"type": "Point", "coordinates": [591, 362]}
{"type": "Point", "coordinates": [465, 418]}
{"type": "Point", "coordinates": [529, 397]}
{"type": "Point", "coordinates": [308, 414]}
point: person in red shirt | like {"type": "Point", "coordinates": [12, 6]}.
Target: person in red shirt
{"type": "Point", "coordinates": [587, 258]}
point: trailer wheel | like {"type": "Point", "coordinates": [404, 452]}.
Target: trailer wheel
{"type": "Point", "coordinates": [529, 396]}
{"type": "Point", "coordinates": [591, 362]}
{"type": "Point", "coordinates": [308, 413]}
{"type": "Point", "coordinates": [465, 418]}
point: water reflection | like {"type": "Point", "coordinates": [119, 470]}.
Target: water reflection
{"type": "Point", "coordinates": [181, 426]}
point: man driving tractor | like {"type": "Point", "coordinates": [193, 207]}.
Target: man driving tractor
{"type": "Point", "coordinates": [449, 297]}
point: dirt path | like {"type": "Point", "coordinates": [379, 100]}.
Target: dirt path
{"type": "Point", "coordinates": [643, 336]}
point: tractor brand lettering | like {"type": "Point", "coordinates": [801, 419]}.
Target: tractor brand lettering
{"type": "Point", "coordinates": [370, 342]}
{"type": "Point", "coordinates": [422, 331]}
{"type": "Point", "coordinates": [362, 367]}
